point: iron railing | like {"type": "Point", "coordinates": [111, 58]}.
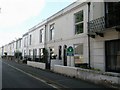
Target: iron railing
{"type": "Point", "coordinates": [102, 23]}
{"type": "Point", "coordinates": [36, 58]}
{"type": "Point", "coordinates": [111, 19]}
{"type": "Point", "coordinates": [96, 25]}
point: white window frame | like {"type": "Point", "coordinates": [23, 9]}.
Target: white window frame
{"type": "Point", "coordinates": [52, 32]}
{"type": "Point", "coordinates": [77, 23]}
{"type": "Point", "coordinates": [78, 55]}
{"type": "Point", "coordinates": [41, 38]}
{"type": "Point", "coordinates": [30, 39]}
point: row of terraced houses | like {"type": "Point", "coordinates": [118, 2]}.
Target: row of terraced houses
{"type": "Point", "coordinates": [91, 28]}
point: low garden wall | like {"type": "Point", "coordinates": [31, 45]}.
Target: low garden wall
{"type": "Point", "coordinates": [55, 62]}
{"type": "Point", "coordinates": [103, 78]}
{"type": "Point", "coordinates": [36, 64]}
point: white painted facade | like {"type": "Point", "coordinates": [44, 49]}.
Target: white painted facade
{"type": "Point", "coordinates": [5, 49]}
{"type": "Point", "coordinates": [35, 43]}
{"type": "Point", "coordinates": [98, 49]}
{"type": "Point", "coordinates": [64, 24]}
{"type": "Point", "coordinates": [64, 33]}
{"type": "Point", "coordinates": [25, 45]}
{"type": "Point", "coordinates": [12, 47]}
{"type": "Point", "coordinates": [19, 45]}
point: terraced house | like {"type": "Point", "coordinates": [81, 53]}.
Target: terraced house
{"type": "Point", "coordinates": [104, 31]}
{"type": "Point", "coordinates": [91, 28]}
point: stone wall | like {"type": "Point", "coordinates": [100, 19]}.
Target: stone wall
{"type": "Point", "coordinates": [104, 78]}
{"type": "Point", "coordinates": [36, 64]}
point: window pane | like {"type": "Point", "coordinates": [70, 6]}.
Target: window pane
{"type": "Point", "coordinates": [78, 49]}
{"type": "Point", "coordinates": [30, 39]}
{"type": "Point", "coordinates": [41, 36]}
{"type": "Point", "coordinates": [52, 53]}
{"type": "Point", "coordinates": [79, 17]}
{"type": "Point", "coordinates": [79, 28]}
{"type": "Point", "coordinates": [52, 32]}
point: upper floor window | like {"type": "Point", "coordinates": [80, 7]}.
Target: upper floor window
{"type": "Point", "coordinates": [24, 42]}
{"type": "Point", "coordinates": [41, 35]}
{"type": "Point", "coordinates": [79, 22]}
{"type": "Point", "coordinates": [29, 53]}
{"type": "Point", "coordinates": [30, 39]}
{"type": "Point", "coordinates": [52, 31]}
{"type": "Point", "coordinates": [20, 44]}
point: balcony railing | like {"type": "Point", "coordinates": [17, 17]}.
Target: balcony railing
{"type": "Point", "coordinates": [100, 25]}
{"type": "Point", "coordinates": [110, 20]}
{"type": "Point", "coordinates": [97, 25]}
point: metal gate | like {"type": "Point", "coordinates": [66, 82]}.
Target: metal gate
{"type": "Point", "coordinates": [112, 49]}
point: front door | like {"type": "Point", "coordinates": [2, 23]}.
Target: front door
{"type": "Point", "coordinates": [65, 55]}
{"type": "Point", "coordinates": [112, 49]}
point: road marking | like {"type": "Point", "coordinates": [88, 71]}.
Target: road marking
{"type": "Point", "coordinates": [31, 75]}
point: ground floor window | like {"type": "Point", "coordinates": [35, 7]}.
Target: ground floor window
{"type": "Point", "coordinates": [52, 53]}
{"type": "Point", "coordinates": [34, 54]}
{"type": "Point", "coordinates": [29, 53]}
{"type": "Point", "coordinates": [41, 53]}
{"type": "Point", "coordinates": [78, 54]}
{"type": "Point", "coordinates": [29, 58]}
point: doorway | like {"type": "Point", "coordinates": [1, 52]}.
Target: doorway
{"type": "Point", "coordinates": [112, 49]}
{"type": "Point", "coordinates": [65, 55]}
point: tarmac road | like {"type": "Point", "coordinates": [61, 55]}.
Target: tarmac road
{"type": "Point", "coordinates": [17, 75]}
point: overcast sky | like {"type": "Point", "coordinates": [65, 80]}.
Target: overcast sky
{"type": "Point", "coordinates": [17, 16]}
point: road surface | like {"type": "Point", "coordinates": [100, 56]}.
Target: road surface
{"type": "Point", "coordinates": [17, 75]}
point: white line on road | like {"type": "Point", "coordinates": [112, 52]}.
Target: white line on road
{"type": "Point", "coordinates": [31, 75]}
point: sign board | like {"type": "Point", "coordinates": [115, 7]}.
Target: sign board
{"type": "Point", "coordinates": [70, 51]}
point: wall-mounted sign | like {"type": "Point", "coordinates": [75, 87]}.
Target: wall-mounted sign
{"type": "Point", "coordinates": [70, 51]}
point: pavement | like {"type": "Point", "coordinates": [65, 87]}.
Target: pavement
{"type": "Point", "coordinates": [18, 75]}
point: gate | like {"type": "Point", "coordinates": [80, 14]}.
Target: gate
{"type": "Point", "coordinates": [112, 50]}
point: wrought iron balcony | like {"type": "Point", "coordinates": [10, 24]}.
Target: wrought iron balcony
{"type": "Point", "coordinates": [100, 25]}
{"type": "Point", "coordinates": [96, 26]}
{"type": "Point", "coordinates": [110, 20]}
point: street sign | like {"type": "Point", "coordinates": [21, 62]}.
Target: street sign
{"type": "Point", "coordinates": [70, 51]}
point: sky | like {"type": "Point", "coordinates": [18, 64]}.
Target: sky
{"type": "Point", "coordinates": [18, 16]}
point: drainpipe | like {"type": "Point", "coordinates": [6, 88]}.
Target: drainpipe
{"type": "Point", "coordinates": [47, 59]}
{"type": "Point", "coordinates": [89, 36]}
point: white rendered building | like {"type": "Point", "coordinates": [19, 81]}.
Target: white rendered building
{"type": "Point", "coordinates": [91, 28]}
